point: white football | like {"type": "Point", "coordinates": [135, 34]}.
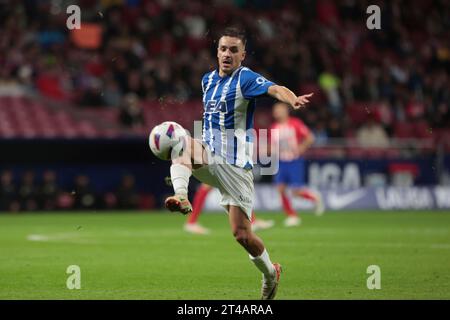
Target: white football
{"type": "Point", "coordinates": [166, 140]}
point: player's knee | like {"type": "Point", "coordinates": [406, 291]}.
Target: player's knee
{"type": "Point", "coordinates": [281, 188]}
{"type": "Point", "coordinates": [241, 236]}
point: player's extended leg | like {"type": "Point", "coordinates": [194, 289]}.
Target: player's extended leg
{"type": "Point", "coordinates": [313, 196]}
{"type": "Point", "coordinates": [192, 157]}
{"type": "Point", "coordinates": [242, 231]}
{"type": "Point", "coordinates": [260, 224]}
{"type": "Point", "coordinates": [293, 219]}
{"type": "Point", "coordinates": [192, 224]}
{"type": "Point", "coordinates": [297, 182]}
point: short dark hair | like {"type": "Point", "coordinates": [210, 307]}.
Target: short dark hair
{"type": "Point", "coordinates": [235, 33]}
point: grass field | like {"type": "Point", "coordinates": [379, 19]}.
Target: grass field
{"type": "Point", "coordinates": [148, 256]}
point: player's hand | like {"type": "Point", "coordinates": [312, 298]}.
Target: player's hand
{"type": "Point", "coordinates": [299, 151]}
{"type": "Point", "coordinates": [301, 101]}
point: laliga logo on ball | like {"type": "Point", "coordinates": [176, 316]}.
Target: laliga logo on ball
{"type": "Point", "coordinates": [166, 140]}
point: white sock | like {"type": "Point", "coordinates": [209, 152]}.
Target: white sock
{"type": "Point", "coordinates": [264, 264]}
{"type": "Point", "coordinates": [180, 174]}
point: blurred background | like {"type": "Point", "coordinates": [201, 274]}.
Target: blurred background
{"type": "Point", "coordinates": [76, 106]}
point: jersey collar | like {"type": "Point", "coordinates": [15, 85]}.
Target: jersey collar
{"type": "Point", "coordinates": [226, 76]}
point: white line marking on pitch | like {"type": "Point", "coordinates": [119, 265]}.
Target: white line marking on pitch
{"type": "Point", "coordinates": [59, 237]}
{"type": "Point", "coordinates": [37, 237]}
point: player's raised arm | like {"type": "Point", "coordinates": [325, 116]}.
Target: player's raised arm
{"type": "Point", "coordinates": [283, 94]}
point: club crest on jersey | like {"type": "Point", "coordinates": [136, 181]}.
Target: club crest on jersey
{"type": "Point", "coordinates": [170, 131]}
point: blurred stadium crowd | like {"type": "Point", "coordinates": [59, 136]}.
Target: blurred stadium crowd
{"type": "Point", "coordinates": [379, 81]}
{"type": "Point", "coordinates": [31, 193]}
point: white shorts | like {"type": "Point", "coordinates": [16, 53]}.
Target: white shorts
{"type": "Point", "coordinates": [234, 183]}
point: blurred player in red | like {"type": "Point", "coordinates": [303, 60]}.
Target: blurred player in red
{"type": "Point", "coordinates": [192, 225]}
{"type": "Point", "coordinates": [294, 138]}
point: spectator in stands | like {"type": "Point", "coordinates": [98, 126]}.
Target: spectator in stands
{"type": "Point", "coordinates": [111, 92]}
{"type": "Point", "coordinates": [28, 192]}
{"type": "Point", "coordinates": [131, 114]}
{"type": "Point", "coordinates": [127, 197]}
{"type": "Point", "coordinates": [92, 96]}
{"type": "Point", "coordinates": [372, 135]}
{"type": "Point", "coordinates": [335, 128]}
{"type": "Point", "coordinates": [320, 133]}
{"type": "Point", "coordinates": [8, 195]}
{"type": "Point", "coordinates": [330, 83]}
{"type": "Point", "coordinates": [441, 118]}
{"type": "Point", "coordinates": [85, 197]}
{"type": "Point", "coordinates": [49, 191]}
{"type": "Point", "coordinates": [385, 114]}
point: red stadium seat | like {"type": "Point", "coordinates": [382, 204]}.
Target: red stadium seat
{"type": "Point", "coordinates": [357, 112]}
{"type": "Point", "coordinates": [442, 138]}
{"type": "Point", "coordinates": [422, 130]}
{"type": "Point", "coordinates": [147, 201]}
{"type": "Point", "coordinates": [403, 130]}
{"type": "Point", "coordinates": [356, 152]}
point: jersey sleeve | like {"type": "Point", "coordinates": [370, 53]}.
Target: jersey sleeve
{"type": "Point", "coordinates": [204, 82]}
{"type": "Point", "coordinates": [253, 84]}
{"type": "Point", "coordinates": [301, 130]}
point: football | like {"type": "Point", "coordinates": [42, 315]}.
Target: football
{"type": "Point", "coordinates": [166, 140]}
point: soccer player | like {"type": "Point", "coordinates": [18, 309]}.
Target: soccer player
{"type": "Point", "coordinates": [192, 225]}
{"type": "Point", "coordinates": [294, 138]}
{"type": "Point", "coordinates": [223, 158]}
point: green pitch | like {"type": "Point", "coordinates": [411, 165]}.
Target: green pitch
{"type": "Point", "coordinates": [148, 256]}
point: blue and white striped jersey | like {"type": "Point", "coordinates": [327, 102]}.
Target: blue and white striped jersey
{"type": "Point", "coordinates": [229, 105]}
